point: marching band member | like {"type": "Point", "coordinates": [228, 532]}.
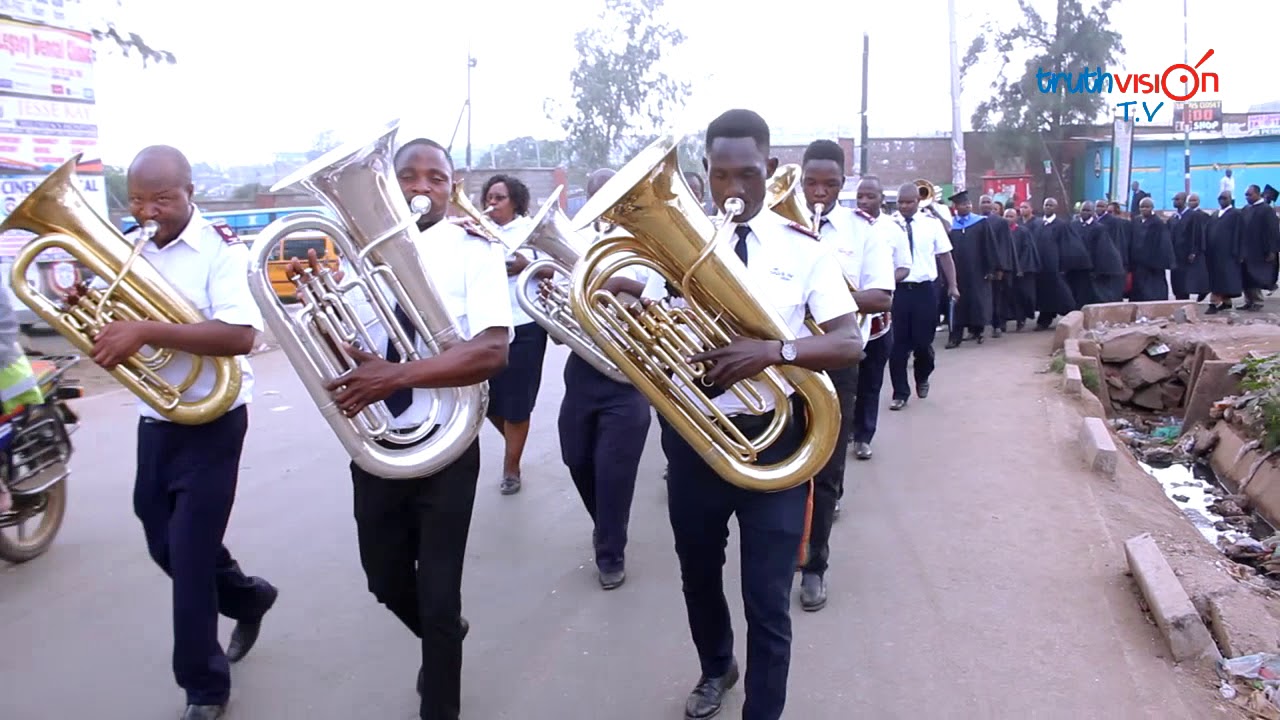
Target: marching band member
{"type": "Point", "coordinates": [186, 477]}
{"type": "Point", "coordinates": [915, 302]}
{"type": "Point", "coordinates": [413, 533]}
{"type": "Point", "coordinates": [870, 265]}
{"type": "Point", "coordinates": [514, 391]}
{"type": "Point", "coordinates": [791, 273]}
{"type": "Point", "coordinates": [876, 228]}
{"type": "Point", "coordinates": [603, 428]}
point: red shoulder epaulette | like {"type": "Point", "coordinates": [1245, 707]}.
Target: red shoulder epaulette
{"type": "Point", "coordinates": [474, 231]}
{"type": "Point", "coordinates": [803, 229]}
{"type": "Point", "coordinates": [225, 232]}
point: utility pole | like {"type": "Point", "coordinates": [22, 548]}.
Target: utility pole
{"type": "Point", "coordinates": [862, 141]}
{"type": "Point", "coordinates": [1186, 126]}
{"type": "Point", "coordinates": [471, 62]}
{"type": "Point", "coordinates": [957, 130]}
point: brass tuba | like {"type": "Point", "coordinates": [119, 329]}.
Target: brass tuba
{"type": "Point", "coordinates": [671, 235]}
{"type": "Point", "coordinates": [59, 215]}
{"type": "Point", "coordinates": [784, 197]}
{"type": "Point", "coordinates": [376, 235]}
{"type": "Point", "coordinates": [480, 221]}
{"type": "Point", "coordinates": [554, 236]}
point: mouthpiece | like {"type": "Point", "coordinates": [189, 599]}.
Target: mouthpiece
{"type": "Point", "coordinates": [149, 230]}
{"type": "Point", "coordinates": [733, 206]}
{"type": "Point", "coordinates": [420, 205]}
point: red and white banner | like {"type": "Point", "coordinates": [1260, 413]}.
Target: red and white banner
{"type": "Point", "coordinates": [39, 135]}
{"type": "Point", "coordinates": [45, 62]}
{"type": "Point", "coordinates": [74, 14]}
{"type": "Point", "coordinates": [15, 188]}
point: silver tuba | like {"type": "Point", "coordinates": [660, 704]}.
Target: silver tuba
{"type": "Point", "coordinates": [553, 235]}
{"type": "Point", "coordinates": [376, 236]}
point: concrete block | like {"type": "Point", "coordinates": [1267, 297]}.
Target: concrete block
{"type": "Point", "coordinates": [1162, 309]}
{"type": "Point", "coordinates": [1090, 348]}
{"type": "Point", "coordinates": [1071, 349]}
{"type": "Point", "coordinates": [1233, 619]}
{"type": "Point", "coordinates": [1072, 384]}
{"type": "Point", "coordinates": [1120, 313]}
{"type": "Point", "coordinates": [1172, 609]}
{"type": "Point", "coordinates": [1213, 382]}
{"type": "Point", "coordinates": [1069, 326]}
{"type": "Point", "coordinates": [1097, 446]}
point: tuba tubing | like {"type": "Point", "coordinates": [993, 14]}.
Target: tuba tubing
{"type": "Point", "coordinates": [551, 236]}
{"type": "Point", "coordinates": [58, 213]}
{"type": "Point", "coordinates": [377, 240]}
{"type": "Point", "coordinates": [670, 235]}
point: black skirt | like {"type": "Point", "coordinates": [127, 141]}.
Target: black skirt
{"type": "Point", "coordinates": [514, 391]}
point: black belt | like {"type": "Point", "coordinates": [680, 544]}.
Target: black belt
{"type": "Point", "coordinates": [913, 285]}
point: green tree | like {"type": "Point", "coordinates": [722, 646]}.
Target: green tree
{"type": "Point", "coordinates": [524, 152]}
{"type": "Point", "coordinates": [619, 95]}
{"type": "Point", "coordinates": [117, 187]}
{"type": "Point", "coordinates": [1026, 122]}
{"type": "Point", "coordinates": [130, 43]}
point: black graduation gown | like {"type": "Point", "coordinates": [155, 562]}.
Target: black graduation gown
{"type": "Point", "coordinates": [1107, 279]}
{"type": "Point", "coordinates": [1002, 288]}
{"type": "Point", "coordinates": [1053, 296]}
{"type": "Point", "coordinates": [1190, 274]}
{"type": "Point", "coordinates": [973, 249]}
{"type": "Point", "coordinates": [1027, 262]}
{"type": "Point", "coordinates": [1224, 253]}
{"type": "Point", "coordinates": [1261, 238]}
{"type": "Point", "coordinates": [1151, 255]}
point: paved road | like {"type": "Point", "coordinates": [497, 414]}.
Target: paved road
{"type": "Point", "coordinates": [973, 578]}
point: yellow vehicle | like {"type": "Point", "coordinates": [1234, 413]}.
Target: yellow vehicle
{"type": "Point", "coordinates": [296, 246]}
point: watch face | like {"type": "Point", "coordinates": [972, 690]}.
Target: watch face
{"type": "Point", "coordinates": [788, 351]}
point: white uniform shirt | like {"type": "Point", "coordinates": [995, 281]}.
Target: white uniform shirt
{"type": "Point", "coordinates": [468, 273]}
{"type": "Point", "coordinates": [931, 240]}
{"type": "Point", "coordinates": [869, 264]}
{"type": "Point", "coordinates": [788, 270]}
{"type": "Point", "coordinates": [885, 230]}
{"type": "Point", "coordinates": [512, 233]}
{"type": "Point", "coordinates": [212, 272]}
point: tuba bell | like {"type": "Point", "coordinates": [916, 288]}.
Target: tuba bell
{"type": "Point", "coordinates": [58, 213]}
{"type": "Point", "coordinates": [783, 196]}
{"type": "Point", "coordinates": [671, 235]}
{"type": "Point", "coordinates": [554, 236]}
{"type": "Point", "coordinates": [376, 235]}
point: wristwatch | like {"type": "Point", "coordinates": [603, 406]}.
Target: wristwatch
{"type": "Point", "coordinates": [788, 351]}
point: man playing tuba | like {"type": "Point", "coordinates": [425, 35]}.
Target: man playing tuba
{"type": "Point", "coordinates": [413, 532]}
{"type": "Point", "coordinates": [791, 273]}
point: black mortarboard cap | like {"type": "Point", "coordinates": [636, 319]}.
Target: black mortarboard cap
{"type": "Point", "coordinates": [962, 196]}
{"type": "Point", "coordinates": [1268, 189]}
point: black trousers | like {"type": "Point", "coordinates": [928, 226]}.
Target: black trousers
{"type": "Point", "coordinates": [828, 484]}
{"type": "Point", "coordinates": [915, 323]}
{"type": "Point", "coordinates": [183, 492]}
{"type": "Point", "coordinates": [413, 539]}
{"type": "Point", "coordinates": [866, 408]}
{"type": "Point", "coordinates": [603, 428]}
{"type": "Point", "coordinates": [770, 529]}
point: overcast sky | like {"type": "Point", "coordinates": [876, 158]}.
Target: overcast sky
{"type": "Point", "coordinates": [798, 63]}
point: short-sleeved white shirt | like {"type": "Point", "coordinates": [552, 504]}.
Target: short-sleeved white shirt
{"type": "Point", "coordinates": [469, 273]}
{"type": "Point", "coordinates": [789, 270]}
{"type": "Point", "coordinates": [211, 270]}
{"type": "Point", "coordinates": [930, 239]}
{"type": "Point", "coordinates": [514, 233]}
{"type": "Point", "coordinates": [869, 264]}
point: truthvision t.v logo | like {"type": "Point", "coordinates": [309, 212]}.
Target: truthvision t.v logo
{"type": "Point", "coordinates": [1179, 82]}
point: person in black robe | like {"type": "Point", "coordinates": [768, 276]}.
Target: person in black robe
{"type": "Point", "coordinates": [1053, 296]}
{"type": "Point", "coordinates": [1026, 264]}
{"type": "Point", "coordinates": [1002, 282]}
{"type": "Point", "coordinates": [1224, 254]}
{"type": "Point", "coordinates": [1150, 255]}
{"type": "Point", "coordinates": [1197, 278]}
{"type": "Point", "coordinates": [1186, 228]}
{"type": "Point", "coordinates": [1106, 279]}
{"type": "Point", "coordinates": [1261, 241]}
{"type": "Point", "coordinates": [973, 248]}
{"type": "Point", "coordinates": [1080, 277]}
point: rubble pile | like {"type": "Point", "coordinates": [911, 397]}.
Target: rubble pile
{"type": "Point", "coordinates": [1146, 368]}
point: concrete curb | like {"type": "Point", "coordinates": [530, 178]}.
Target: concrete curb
{"type": "Point", "coordinates": [1072, 382]}
{"type": "Point", "coordinates": [1170, 606]}
{"type": "Point", "coordinates": [1070, 326]}
{"type": "Point", "coordinates": [1098, 448]}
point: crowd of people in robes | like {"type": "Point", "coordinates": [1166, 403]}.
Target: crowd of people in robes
{"type": "Point", "coordinates": [1013, 266]}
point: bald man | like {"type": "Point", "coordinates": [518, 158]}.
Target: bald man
{"type": "Point", "coordinates": [187, 474]}
{"type": "Point", "coordinates": [603, 427]}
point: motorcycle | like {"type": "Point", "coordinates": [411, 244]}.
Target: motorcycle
{"type": "Point", "coordinates": [35, 447]}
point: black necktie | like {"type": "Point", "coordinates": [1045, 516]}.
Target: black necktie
{"type": "Point", "coordinates": [911, 240]}
{"type": "Point", "coordinates": [742, 231]}
{"type": "Point", "coordinates": [400, 400]}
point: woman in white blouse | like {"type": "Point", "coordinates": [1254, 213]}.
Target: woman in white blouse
{"type": "Point", "coordinates": [514, 391]}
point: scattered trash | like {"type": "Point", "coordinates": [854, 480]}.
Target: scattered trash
{"type": "Point", "coordinates": [1227, 690]}
{"type": "Point", "coordinates": [1258, 666]}
{"type": "Point", "coordinates": [1157, 349]}
{"type": "Point", "coordinates": [1167, 432]}
{"type": "Point", "coordinates": [1261, 675]}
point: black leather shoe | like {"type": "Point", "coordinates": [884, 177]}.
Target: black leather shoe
{"type": "Point", "coordinates": [813, 592]}
{"type": "Point", "coordinates": [706, 698]}
{"type": "Point", "coordinates": [922, 390]}
{"type": "Point", "coordinates": [204, 712]}
{"type": "Point", "coordinates": [898, 404]}
{"type": "Point", "coordinates": [611, 580]}
{"type": "Point", "coordinates": [862, 450]}
{"type": "Point", "coordinates": [245, 633]}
